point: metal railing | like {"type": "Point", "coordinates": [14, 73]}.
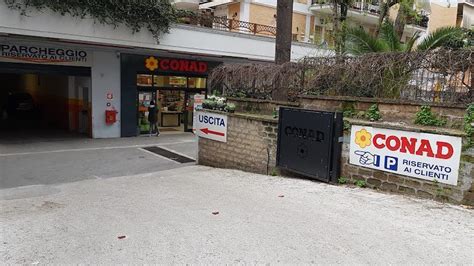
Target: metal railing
{"type": "Point", "coordinates": [226, 24]}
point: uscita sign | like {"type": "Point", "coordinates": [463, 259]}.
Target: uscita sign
{"type": "Point", "coordinates": [211, 126]}
{"type": "Point", "coordinates": [420, 155]}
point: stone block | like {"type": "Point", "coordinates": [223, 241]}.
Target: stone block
{"type": "Point", "coordinates": [424, 194]}
{"type": "Point", "coordinates": [358, 177]}
{"type": "Point", "coordinates": [374, 182]}
{"type": "Point", "coordinates": [412, 183]}
{"type": "Point", "coordinates": [468, 198]}
{"type": "Point", "coordinates": [395, 179]}
{"type": "Point", "coordinates": [406, 190]}
{"type": "Point", "coordinates": [365, 172]}
{"type": "Point", "coordinates": [271, 135]}
{"type": "Point", "coordinates": [380, 175]}
{"type": "Point", "coordinates": [389, 186]}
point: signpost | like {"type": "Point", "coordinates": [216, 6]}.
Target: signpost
{"type": "Point", "coordinates": [420, 155]}
{"type": "Point", "coordinates": [211, 126]}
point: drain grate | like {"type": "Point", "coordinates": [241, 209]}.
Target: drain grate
{"type": "Point", "coordinates": [169, 154]}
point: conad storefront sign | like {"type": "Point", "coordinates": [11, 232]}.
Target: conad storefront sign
{"type": "Point", "coordinates": [420, 155]}
{"type": "Point", "coordinates": [21, 53]}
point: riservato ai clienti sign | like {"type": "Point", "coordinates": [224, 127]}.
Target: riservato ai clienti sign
{"type": "Point", "coordinates": [420, 155]}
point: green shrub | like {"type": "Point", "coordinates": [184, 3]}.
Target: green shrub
{"type": "Point", "coordinates": [373, 113]}
{"type": "Point", "coordinates": [360, 183]}
{"type": "Point", "coordinates": [343, 180]}
{"type": "Point", "coordinates": [468, 121]}
{"type": "Point", "coordinates": [425, 117]}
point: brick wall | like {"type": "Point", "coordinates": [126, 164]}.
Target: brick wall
{"type": "Point", "coordinates": [251, 145]}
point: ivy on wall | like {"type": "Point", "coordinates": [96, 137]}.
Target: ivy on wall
{"type": "Point", "coordinates": [153, 15]}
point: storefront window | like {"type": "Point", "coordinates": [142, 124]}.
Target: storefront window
{"type": "Point", "coordinates": [170, 81]}
{"type": "Point", "coordinates": [197, 83]}
{"type": "Point", "coordinates": [144, 80]}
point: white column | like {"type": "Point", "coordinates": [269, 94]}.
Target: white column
{"type": "Point", "coordinates": [105, 79]}
{"type": "Point", "coordinates": [245, 10]}
{"type": "Point", "coordinates": [307, 30]}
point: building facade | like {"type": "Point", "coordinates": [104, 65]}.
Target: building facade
{"type": "Point", "coordinates": [78, 75]}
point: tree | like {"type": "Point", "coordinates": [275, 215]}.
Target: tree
{"type": "Point", "coordinates": [361, 42]}
{"type": "Point", "coordinates": [340, 8]}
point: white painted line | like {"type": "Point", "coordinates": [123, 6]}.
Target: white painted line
{"type": "Point", "coordinates": [157, 155]}
{"type": "Point", "coordinates": [94, 149]}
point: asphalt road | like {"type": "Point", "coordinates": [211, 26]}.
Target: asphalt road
{"type": "Point", "coordinates": [60, 158]}
{"type": "Point", "coordinates": [167, 217]}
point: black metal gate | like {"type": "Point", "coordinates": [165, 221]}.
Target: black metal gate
{"type": "Point", "coordinates": [309, 143]}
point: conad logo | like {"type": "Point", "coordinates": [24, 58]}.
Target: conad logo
{"type": "Point", "coordinates": [421, 147]}
{"type": "Point", "coordinates": [402, 144]}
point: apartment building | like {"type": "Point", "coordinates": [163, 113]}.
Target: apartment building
{"type": "Point", "coordinates": [312, 19]}
{"type": "Point", "coordinates": [465, 14]}
{"type": "Point", "coordinates": [263, 12]}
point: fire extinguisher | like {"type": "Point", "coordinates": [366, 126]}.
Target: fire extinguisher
{"type": "Point", "coordinates": [110, 116]}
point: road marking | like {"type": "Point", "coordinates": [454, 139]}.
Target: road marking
{"type": "Point", "coordinates": [93, 149]}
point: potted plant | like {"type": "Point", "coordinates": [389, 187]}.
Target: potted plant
{"type": "Point", "coordinates": [220, 104]}
{"type": "Point", "coordinates": [206, 104]}
{"type": "Point", "coordinates": [230, 107]}
{"type": "Point", "coordinates": [212, 105]}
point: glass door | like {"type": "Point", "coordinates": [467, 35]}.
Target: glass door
{"type": "Point", "coordinates": [144, 99]}
{"type": "Point", "coordinates": [192, 100]}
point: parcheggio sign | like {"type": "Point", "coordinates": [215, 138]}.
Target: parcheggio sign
{"type": "Point", "coordinates": [43, 55]}
{"type": "Point", "coordinates": [420, 155]}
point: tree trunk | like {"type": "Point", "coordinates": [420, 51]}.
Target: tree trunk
{"type": "Point", "coordinates": [384, 8]}
{"type": "Point", "coordinates": [283, 42]}
{"type": "Point", "coordinates": [383, 13]}
{"type": "Point", "coordinates": [400, 22]}
{"type": "Point", "coordinates": [283, 31]}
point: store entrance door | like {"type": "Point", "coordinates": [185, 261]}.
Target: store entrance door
{"type": "Point", "coordinates": [143, 102]}
{"type": "Point", "coordinates": [189, 110]}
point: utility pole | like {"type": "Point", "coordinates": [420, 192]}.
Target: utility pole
{"type": "Point", "coordinates": [283, 31]}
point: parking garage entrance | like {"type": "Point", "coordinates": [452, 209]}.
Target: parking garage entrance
{"type": "Point", "coordinates": [44, 101]}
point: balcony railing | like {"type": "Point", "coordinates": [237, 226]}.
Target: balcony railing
{"type": "Point", "coordinates": [226, 24]}
{"type": "Point", "coordinates": [374, 9]}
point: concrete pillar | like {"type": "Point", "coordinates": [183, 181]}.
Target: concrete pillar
{"type": "Point", "coordinates": [307, 30]}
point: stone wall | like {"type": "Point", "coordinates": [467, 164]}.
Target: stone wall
{"type": "Point", "coordinates": [391, 110]}
{"type": "Point", "coordinates": [255, 106]}
{"type": "Point", "coordinates": [251, 145]}
{"type": "Point", "coordinates": [252, 140]}
{"type": "Point", "coordinates": [462, 193]}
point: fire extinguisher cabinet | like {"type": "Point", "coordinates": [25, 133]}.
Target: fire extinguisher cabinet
{"type": "Point", "coordinates": [110, 116]}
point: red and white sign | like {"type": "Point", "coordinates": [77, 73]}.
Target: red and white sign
{"type": "Point", "coordinates": [197, 106]}
{"type": "Point", "coordinates": [211, 126]}
{"type": "Point", "coordinates": [420, 155]}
